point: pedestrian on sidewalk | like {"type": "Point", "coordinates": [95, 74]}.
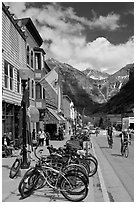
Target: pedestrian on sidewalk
{"type": "Point", "coordinates": [41, 134]}
{"type": "Point", "coordinates": [47, 138]}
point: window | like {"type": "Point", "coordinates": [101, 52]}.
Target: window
{"type": "Point", "coordinates": [38, 60]}
{"type": "Point", "coordinates": [43, 93]}
{"type": "Point", "coordinates": [32, 59]}
{"type": "Point", "coordinates": [8, 75]}
{"type": "Point", "coordinates": [32, 89]}
{"type": "Point", "coordinates": [27, 54]}
{"type": "Point", "coordinates": [18, 82]}
{"type": "Point", "coordinates": [38, 91]}
{"type": "Point", "coordinates": [28, 86]}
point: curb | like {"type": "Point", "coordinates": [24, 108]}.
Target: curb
{"type": "Point", "coordinates": [103, 187]}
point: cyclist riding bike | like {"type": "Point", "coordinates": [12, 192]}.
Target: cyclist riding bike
{"type": "Point", "coordinates": [110, 138]}
{"type": "Point", "coordinates": [124, 138]}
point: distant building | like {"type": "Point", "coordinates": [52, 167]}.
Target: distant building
{"type": "Point", "coordinates": [54, 112]}
{"type": "Point", "coordinates": [68, 111]}
{"type": "Point", "coordinates": [114, 118]}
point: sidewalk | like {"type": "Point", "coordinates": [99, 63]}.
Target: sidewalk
{"type": "Point", "coordinates": [10, 186]}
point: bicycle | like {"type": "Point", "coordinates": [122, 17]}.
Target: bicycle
{"type": "Point", "coordinates": [72, 155]}
{"type": "Point", "coordinates": [14, 170]}
{"type": "Point", "coordinates": [125, 149]}
{"type": "Point", "coordinates": [110, 141]}
{"type": "Point", "coordinates": [72, 186]}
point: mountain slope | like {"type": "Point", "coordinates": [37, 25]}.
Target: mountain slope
{"type": "Point", "coordinates": [122, 101]}
{"type": "Point", "coordinates": [81, 89]}
{"type": "Point", "coordinates": [95, 74]}
{"type": "Point", "coordinates": [95, 96]}
{"type": "Point", "coordinates": [112, 85]}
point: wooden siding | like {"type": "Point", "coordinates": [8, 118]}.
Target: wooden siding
{"type": "Point", "coordinates": [13, 46]}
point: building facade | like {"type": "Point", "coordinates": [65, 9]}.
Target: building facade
{"type": "Point", "coordinates": [21, 49]}
{"type": "Point", "coordinates": [13, 58]}
{"type": "Point", "coordinates": [35, 63]}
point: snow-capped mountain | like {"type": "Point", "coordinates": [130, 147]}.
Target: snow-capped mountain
{"type": "Point", "coordinates": [89, 92]}
{"type": "Point", "coordinates": [95, 74]}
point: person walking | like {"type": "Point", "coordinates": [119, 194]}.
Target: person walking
{"type": "Point", "coordinates": [60, 131]}
{"type": "Point", "coordinates": [41, 134]}
{"type": "Point", "coordinates": [47, 138]}
{"type": "Point", "coordinates": [42, 137]}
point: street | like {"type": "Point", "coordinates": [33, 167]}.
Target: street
{"type": "Point", "coordinates": [113, 182]}
{"type": "Point", "coordinates": [123, 167]}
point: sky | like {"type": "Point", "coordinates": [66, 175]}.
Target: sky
{"type": "Point", "coordinates": [96, 35]}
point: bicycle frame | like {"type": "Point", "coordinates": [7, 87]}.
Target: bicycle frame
{"type": "Point", "coordinates": [43, 171]}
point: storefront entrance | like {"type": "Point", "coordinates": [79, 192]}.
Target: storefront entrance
{"type": "Point", "coordinates": [52, 129]}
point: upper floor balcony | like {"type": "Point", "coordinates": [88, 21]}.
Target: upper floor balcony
{"type": "Point", "coordinates": [41, 68]}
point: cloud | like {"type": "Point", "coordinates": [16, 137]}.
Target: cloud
{"type": "Point", "coordinates": [102, 55]}
{"type": "Point", "coordinates": [64, 40]}
{"type": "Point", "coordinates": [111, 22]}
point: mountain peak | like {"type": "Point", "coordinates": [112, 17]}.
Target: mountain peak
{"type": "Point", "coordinates": [95, 74]}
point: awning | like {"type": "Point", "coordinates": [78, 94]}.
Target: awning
{"type": "Point", "coordinates": [33, 113]}
{"type": "Point", "coordinates": [52, 117]}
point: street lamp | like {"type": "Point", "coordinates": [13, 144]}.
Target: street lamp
{"type": "Point", "coordinates": [24, 74]}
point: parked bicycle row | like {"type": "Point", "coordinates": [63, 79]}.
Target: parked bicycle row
{"type": "Point", "coordinates": [66, 170]}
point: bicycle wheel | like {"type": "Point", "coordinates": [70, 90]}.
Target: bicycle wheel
{"type": "Point", "coordinates": [90, 156]}
{"type": "Point", "coordinates": [93, 166]}
{"type": "Point", "coordinates": [126, 151]}
{"type": "Point", "coordinates": [41, 180]}
{"type": "Point", "coordinates": [15, 168]}
{"type": "Point", "coordinates": [28, 184]}
{"type": "Point", "coordinates": [85, 164]}
{"type": "Point", "coordinates": [79, 166]}
{"type": "Point", "coordinates": [73, 188]}
{"type": "Point", "coordinates": [76, 170]}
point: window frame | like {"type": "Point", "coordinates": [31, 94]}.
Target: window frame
{"type": "Point", "coordinates": [32, 59]}
{"type": "Point", "coordinates": [32, 88]}
{"type": "Point", "coordinates": [38, 65]}
{"type": "Point", "coordinates": [28, 54]}
{"type": "Point", "coordinates": [18, 82]}
{"type": "Point", "coordinates": [38, 91]}
{"type": "Point", "coordinates": [9, 76]}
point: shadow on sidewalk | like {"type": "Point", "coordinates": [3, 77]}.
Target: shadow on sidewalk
{"type": "Point", "coordinates": [104, 147]}
{"type": "Point", "coordinates": [117, 155]}
{"type": "Point", "coordinates": [6, 166]}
